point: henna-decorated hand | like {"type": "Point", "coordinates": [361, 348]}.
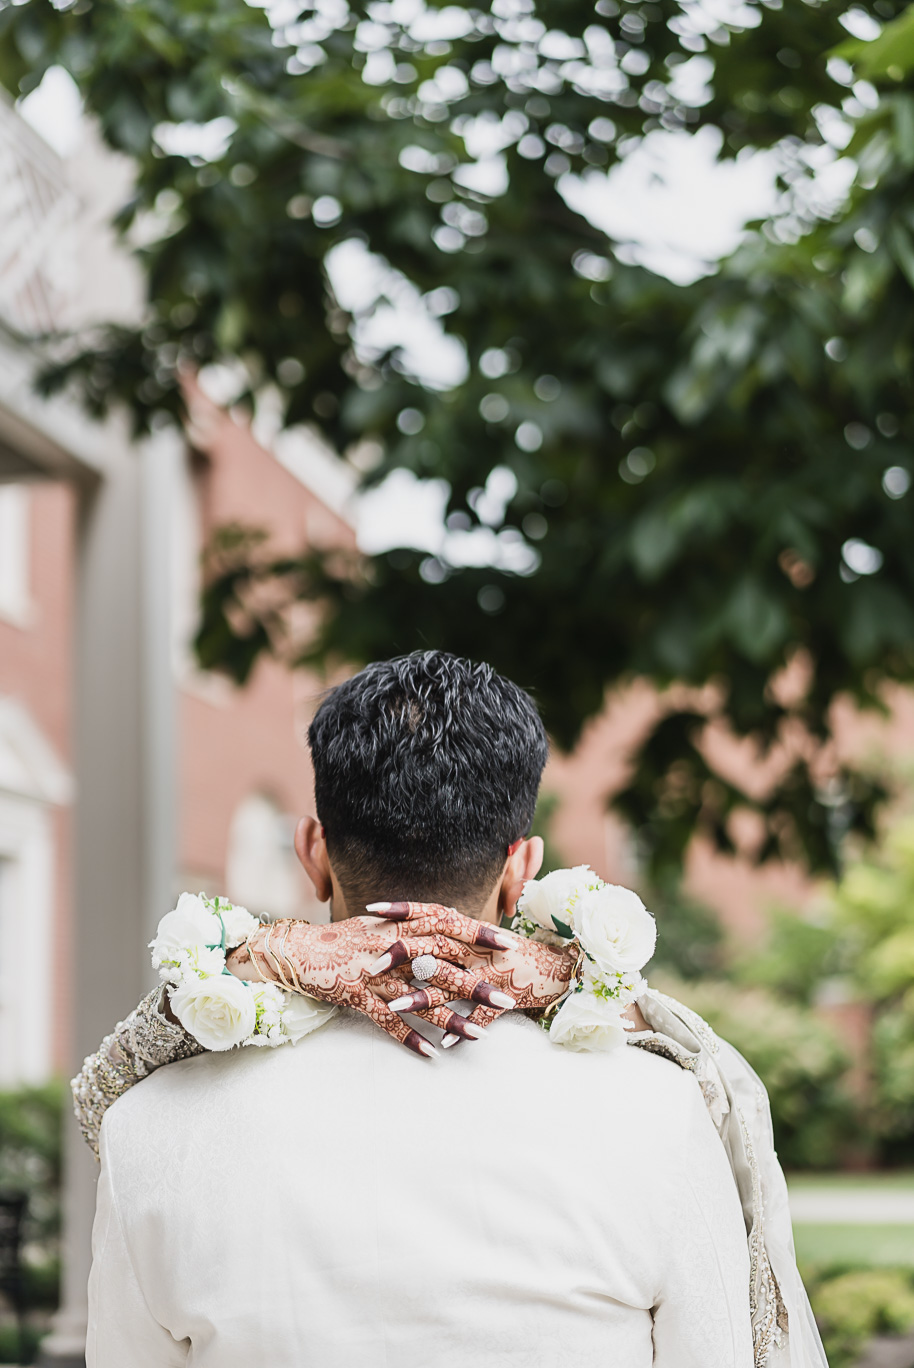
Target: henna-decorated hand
{"type": "Point", "coordinates": [531, 974]}
{"type": "Point", "coordinates": [340, 963]}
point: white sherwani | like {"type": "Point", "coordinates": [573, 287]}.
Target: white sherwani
{"type": "Point", "coordinates": [344, 1203]}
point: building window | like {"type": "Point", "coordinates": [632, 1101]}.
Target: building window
{"type": "Point", "coordinates": [14, 553]}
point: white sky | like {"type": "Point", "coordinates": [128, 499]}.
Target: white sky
{"type": "Point", "coordinates": [673, 205]}
{"type": "Point", "coordinates": [678, 206]}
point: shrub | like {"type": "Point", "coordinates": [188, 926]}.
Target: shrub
{"type": "Point", "coordinates": [873, 910]}
{"type": "Point", "coordinates": [799, 1059]}
{"type": "Point", "coordinates": [30, 1162]}
{"type": "Point", "coordinates": [11, 1347]}
{"type": "Point", "coordinates": [852, 1307]}
{"type": "Point", "coordinates": [797, 956]}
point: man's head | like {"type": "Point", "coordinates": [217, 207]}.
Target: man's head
{"type": "Point", "coordinates": [426, 771]}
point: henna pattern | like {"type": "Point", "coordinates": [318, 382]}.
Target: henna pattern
{"type": "Point", "coordinates": [448, 983]}
{"type": "Point", "coordinates": [411, 947]}
{"type": "Point", "coordinates": [531, 974]}
{"type": "Point", "coordinates": [391, 985]}
{"type": "Point", "coordinates": [427, 919]}
{"type": "Point", "coordinates": [350, 963]}
{"type": "Point", "coordinates": [335, 962]}
{"type": "Point", "coordinates": [534, 975]}
{"type": "Point", "coordinates": [375, 1008]}
{"type": "Point", "coordinates": [332, 963]}
{"type": "Point", "coordinates": [329, 961]}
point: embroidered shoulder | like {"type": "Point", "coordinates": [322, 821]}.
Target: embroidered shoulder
{"type": "Point", "coordinates": [656, 1043]}
{"type": "Point", "coordinates": [150, 1036]}
{"type": "Point", "coordinates": [144, 1042]}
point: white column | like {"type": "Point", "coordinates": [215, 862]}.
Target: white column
{"type": "Point", "coordinates": [161, 472]}
{"type": "Point", "coordinates": [125, 781]}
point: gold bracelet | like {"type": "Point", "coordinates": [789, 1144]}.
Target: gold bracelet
{"type": "Point", "coordinates": [270, 954]}
{"type": "Point", "coordinates": [295, 984]}
{"type": "Point", "coordinates": [253, 958]}
{"type": "Point", "coordinates": [289, 987]}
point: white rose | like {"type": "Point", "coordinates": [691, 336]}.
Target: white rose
{"type": "Point", "coordinates": [301, 1015]}
{"type": "Point", "coordinates": [239, 924]}
{"type": "Point", "coordinates": [555, 896]}
{"type": "Point", "coordinates": [587, 1022]}
{"type": "Point", "coordinates": [190, 926]}
{"type": "Point", "coordinates": [615, 928]}
{"type": "Point", "coordinates": [219, 1012]}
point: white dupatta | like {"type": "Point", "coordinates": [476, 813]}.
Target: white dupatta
{"type": "Point", "coordinates": [784, 1331]}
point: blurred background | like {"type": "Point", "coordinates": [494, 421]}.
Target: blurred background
{"type": "Point", "coordinates": [575, 336]}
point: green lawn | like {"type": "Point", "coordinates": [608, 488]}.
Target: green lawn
{"type": "Point", "coordinates": [863, 1245]}
{"type": "Point", "coordinates": [860, 1245]}
{"type": "Point", "coordinates": [902, 1179]}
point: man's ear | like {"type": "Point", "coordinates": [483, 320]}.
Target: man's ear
{"type": "Point", "coordinates": [311, 849]}
{"type": "Point", "coordinates": [524, 863]}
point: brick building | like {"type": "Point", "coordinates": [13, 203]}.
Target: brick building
{"type": "Point", "coordinates": [125, 774]}
{"type": "Point", "coordinates": [242, 773]}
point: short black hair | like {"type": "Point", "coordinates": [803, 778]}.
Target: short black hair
{"type": "Point", "coordinates": [426, 768]}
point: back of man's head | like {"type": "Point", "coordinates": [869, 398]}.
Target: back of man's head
{"type": "Point", "coordinates": [426, 769]}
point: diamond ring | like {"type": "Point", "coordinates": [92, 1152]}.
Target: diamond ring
{"type": "Point", "coordinates": [425, 967]}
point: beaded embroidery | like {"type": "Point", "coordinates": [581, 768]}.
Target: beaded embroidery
{"type": "Point", "coordinates": [769, 1315]}
{"type": "Point", "coordinates": [135, 1048]}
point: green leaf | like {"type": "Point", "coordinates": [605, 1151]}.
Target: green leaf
{"type": "Point", "coordinates": [894, 48]}
{"type": "Point", "coordinates": [902, 249]}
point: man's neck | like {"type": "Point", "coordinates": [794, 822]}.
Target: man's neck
{"type": "Point", "coordinates": [488, 912]}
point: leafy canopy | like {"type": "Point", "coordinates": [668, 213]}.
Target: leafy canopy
{"type": "Point", "coordinates": [705, 483]}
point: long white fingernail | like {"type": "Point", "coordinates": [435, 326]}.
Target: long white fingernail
{"type": "Point", "coordinates": [383, 963]}
{"type": "Point", "coordinates": [473, 1031]}
{"type": "Point", "coordinates": [400, 1003]}
{"type": "Point", "coordinates": [503, 940]}
{"type": "Point", "coordinates": [448, 1041]}
{"type": "Point", "coordinates": [428, 1049]}
{"type": "Point", "coordinates": [377, 907]}
{"type": "Point", "coordinates": [498, 999]}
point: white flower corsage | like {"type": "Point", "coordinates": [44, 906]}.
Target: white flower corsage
{"type": "Point", "coordinates": [615, 936]}
{"type": "Point", "coordinates": [217, 1009]}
